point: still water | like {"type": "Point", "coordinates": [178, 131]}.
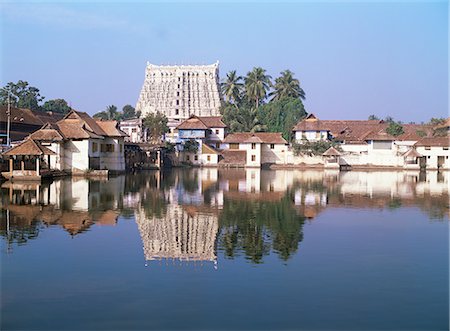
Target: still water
{"type": "Point", "coordinates": [227, 249]}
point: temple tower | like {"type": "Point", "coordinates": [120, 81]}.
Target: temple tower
{"type": "Point", "coordinates": [180, 91]}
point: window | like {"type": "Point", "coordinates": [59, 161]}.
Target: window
{"type": "Point", "coordinates": [217, 131]}
{"type": "Point", "coordinates": [178, 94]}
{"type": "Point", "coordinates": [196, 157]}
{"type": "Point", "coordinates": [178, 102]}
{"type": "Point", "coordinates": [178, 84]}
{"type": "Point", "coordinates": [217, 145]}
{"type": "Point", "coordinates": [179, 78]}
{"type": "Point", "coordinates": [272, 146]}
{"type": "Point", "coordinates": [107, 148]}
{"type": "Point", "coordinates": [234, 146]}
{"type": "Point", "coordinates": [253, 158]}
{"type": "Point", "coordinates": [208, 158]}
{"type": "Point", "coordinates": [177, 112]}
{"type": "Point", "coordinates": [253, 146]}
{"type": "Point", "coordinates": [133, 130]}
{"type": "Point", "coordinates": [187, 158]}
{"type": "Point", "coordinates": [317, 134]}
{"type": "Point", "coordinates": [94, 147]}
{"type": "Point", "coordinates": [445, 148]}
{"type": "Point", "coordinates": [382, 144]}
{"type": "Point", "coordinates": [427, 148]}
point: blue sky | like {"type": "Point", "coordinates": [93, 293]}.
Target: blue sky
{"type": "Point", "coordinates": [353, 58]}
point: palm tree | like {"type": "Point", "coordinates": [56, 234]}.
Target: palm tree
{"type": "Point", "coordinates": [257, 83]}
{"type": "Point", "coordinates": [111, 111]}
{"type": "Point", "coordinates": [287, 86]}
{"type": "Point", "coordinates": [231, 87]}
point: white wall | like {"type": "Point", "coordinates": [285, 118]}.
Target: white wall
{"type": "Point", "coordinates": [276, 155]}
{"type": "Point", "coordinates": [310, 135]}
{"type": "Point", "coordinates": [432, 156]}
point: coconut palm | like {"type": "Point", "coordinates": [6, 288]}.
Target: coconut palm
{"type": "Point", "coordinates": [257, 83]}
{"type": "Point", "coordinates": [231, 87]}
{"type": "Point", "coordinates": [287, 86]}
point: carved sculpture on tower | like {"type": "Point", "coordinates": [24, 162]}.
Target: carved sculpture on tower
{"type": "Point", "coordinates": [180, 91]}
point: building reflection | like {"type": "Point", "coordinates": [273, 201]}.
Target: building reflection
{"type": "Point", "coordinates": [196, 215]}
{"type": "Point", "coordinates": [72, 204]}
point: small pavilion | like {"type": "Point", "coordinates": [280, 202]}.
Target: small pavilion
{"type": "Point", "coordinates": [331, 157]}
{"type": "Point", "coordinates": [29, 154]}
{"type": "Point", "coordinates": [411, 159]}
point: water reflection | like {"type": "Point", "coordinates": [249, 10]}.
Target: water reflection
{"type": "Point", "coordinates": [197, 214]}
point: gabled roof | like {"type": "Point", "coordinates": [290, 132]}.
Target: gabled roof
{"type": "Point", "coordinates": [202, 123]}
{"type": "Point", "coordinates": [412, 153]}
{"type": "Point", "coordinates": [111, 128]}
{"type": "Point", "coordinates": [208, 150]}
{"type": "Point", "coordinates": [88, 122]}
{"type": "Point", "coordinates": [47, 133]}
{"type": "Point", "coordinates": [256, 137]}
{"type": "Point", "coordinates": [331, 152]}
{"type": "Point", "coordinates": [29, 147]}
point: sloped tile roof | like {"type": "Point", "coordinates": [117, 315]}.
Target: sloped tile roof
{"type": "Point", "coordinates": [28, 116]}
{"type": "Point", "coordinates": [434, 141]}
{"type": "Point", "coordinates": [111, 128]}
{"type": "Point", "coordinates": [202, 123]}
{"type": "Point", "coordinates": [47, 133]}
{"type": "Point", "coordinates": [29, 147]}
{"type": "Point", "coordinates": [262, 137]}
{"type": "Point", "coordinates": [412, 153]}
{"type": "Point", "coordinates": [208, 150]}
{"type": "Point", "coordinates": [234, 157]}
{"type": "Point", "coordinates": [331, 152]}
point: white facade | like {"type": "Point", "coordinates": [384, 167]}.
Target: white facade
{"type": "Point", "coordinates": [180, 91]}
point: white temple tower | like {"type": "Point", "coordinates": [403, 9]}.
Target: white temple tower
{"type": "Point", "coordinates": [180, 91]}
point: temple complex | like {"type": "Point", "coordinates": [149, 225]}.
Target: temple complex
{"type": "Point", "coordinates": [180, 91]}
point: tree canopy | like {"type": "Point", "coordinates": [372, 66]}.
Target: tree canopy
{"type": "Point", "coordinates": [156, 123]}
{"type": "Point", "coordinates": [286, 86]}
{"type": "Point", "coordinates": [22, 95]}
{"type": "Point", "coordinates": [57, 106]}
{"type": "Point", "coordinates": [257, 84]}
{"type": "Point", "coordinates": [245, 109]}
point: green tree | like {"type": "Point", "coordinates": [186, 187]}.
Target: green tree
{"type": "Point", "coordinates": [437, 121]}
{"type": "Point", "coordinates": [22, 95]}
{"type": "Point", "coordinates": [109, 114]}
{"type": "Point", "coordinates": [56, 106]}
{"type": "Point", "coordinates": [281, 115]}
{"type": "Point", "coordinates": [191, 146]}
{"type": "Point", "coordinates": [257, 84]}
{"type": "Point", "coordinates": [286, 86]}
{"type": "Point", "coordinates": [243, 119]}
{"type": "Point", "coordinates": [373, 118]}
{"type": "Point", "coordinates": [395, 129]}
{"type": "Point", "coordinates": [232, 87]}
{"type": "Point", "coordinates": [314, 147]}
{"type": "Point", "coordinates": [156, 124]}
{"type": "Point", "coordinates": [128, 112]}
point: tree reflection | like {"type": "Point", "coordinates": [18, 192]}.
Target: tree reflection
{"type": "Point", "coordinates": [256, 227]}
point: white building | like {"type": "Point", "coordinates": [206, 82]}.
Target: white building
{"type": "Point", "coordinates": [83, 144]}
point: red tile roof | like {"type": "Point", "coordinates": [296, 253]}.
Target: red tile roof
{"type": "Point", "coordinates": [434, 141]}
{"type": "Point", "coordinates": [202, 123]}
{"type": "Point", "coordinates": [111, 128]}
{"type": "Point", "coordinates": [29, 147]}
{"type": "Point", "coordinates": [256, 137]}
{"type": "Point", "coordinates": [360, 130]}
{"type": "Point", "coordinates": [235, 157]}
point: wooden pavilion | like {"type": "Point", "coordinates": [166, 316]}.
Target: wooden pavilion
{"type": "Point", "coordinates": [28, 161]}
